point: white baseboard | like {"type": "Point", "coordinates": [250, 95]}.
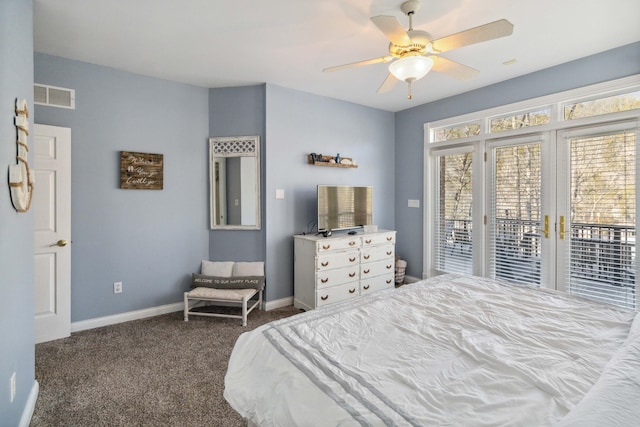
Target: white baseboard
{"type": "Point", "coordinates": [279, 303]}
{"type": "Point", "coordinates": [126, 317]}
{"type": "Point", "coordinates": [27, 414]}
{"type": "Point", "coordinates": [99, 322]}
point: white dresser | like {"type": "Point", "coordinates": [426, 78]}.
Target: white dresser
{"type": "Point", "coordinates": [332, 269]}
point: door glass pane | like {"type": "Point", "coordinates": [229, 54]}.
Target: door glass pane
{"type": "Point", "coordinates": [516, 214]}
{"type": "Point", "coordinates": [603, 218]}
{"type": "Point", "coordinates": [454, 243]}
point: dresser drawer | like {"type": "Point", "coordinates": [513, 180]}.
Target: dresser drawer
{"type": "Point", "coordinates": [338, 244]}
{"type": "Point", "coordinates": [377, 283]}
{"type": "Point", "coordinates": [337, 293]}
{"type": "Point", "coordinates": [378, 239]}
{"type": "Point", "coordinates": [331, 260]}
{"type": "Point", "coordinates": [377, 253]}
{"type": "Point", "coordinates": [376, 268]}
{"type": "Point", "coordinates": [337, 276]}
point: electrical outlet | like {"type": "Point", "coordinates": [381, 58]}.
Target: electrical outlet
{"type": "Point", "coordinates": [413, 203]}
{"type": "Point", "coordinates": [117, 287]}
{"type": "Point", "coordinates": [13, 386]}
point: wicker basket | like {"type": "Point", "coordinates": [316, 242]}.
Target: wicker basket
{"type": "Point", "coordinates": [401, 267]}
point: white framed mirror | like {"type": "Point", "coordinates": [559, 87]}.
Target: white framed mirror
{"type": "Point", "coordinates": [234, 175]}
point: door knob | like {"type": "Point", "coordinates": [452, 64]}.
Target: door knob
{"type": "Point", "coordinates": [60, 243]}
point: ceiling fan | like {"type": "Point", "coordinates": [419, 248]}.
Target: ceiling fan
{"type": "Point", "coordinates": [414, 54]}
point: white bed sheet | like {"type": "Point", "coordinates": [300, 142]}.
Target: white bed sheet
{"type": "Point", "coordinates": [453, 350]}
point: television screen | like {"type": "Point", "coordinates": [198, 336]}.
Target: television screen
{"type": "Point", "coordinates": [342, 207]}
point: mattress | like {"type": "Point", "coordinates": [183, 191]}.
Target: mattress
{"type": "Point", "coordinates": [449, 351]}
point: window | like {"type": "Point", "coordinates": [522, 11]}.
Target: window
{"type": "Point", "coordinates": [520, 120]}
{"type": "Point", "coordinates": [454, 225]}
{"type": "Point", "coordinates": [601, 105]}
{"type": "Point", "coordinates": [602, 233]}
{"type": "Point", "coordinates": [556, 190]}
{"type": "Point", "coordinates": [457, 131]}
{"type": "Point", "coordinates": [516, 213]}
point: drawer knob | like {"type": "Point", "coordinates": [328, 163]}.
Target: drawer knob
{"type": "Point", "coordinates": [325, 247]}
{"type": "Point", "coordinates": [389, 252]}
{"type": "Point", "coordinates": [366, 271]}
{"type": "Point", "coordinates": [352, 290]}
{"type": "Point", "coordinates": [352, 274]}
{"type": "Point", "coordinates": [352, 259]}
{"type": "Point", "coordinates": [366, 287]}
{"type": "Point", "coordinates": [389, 238]}
{"type": "Point", "coordinates": [367, 241]}
{"type": "Point", "coordinates": [351, 243]}
{"type": "Point", "coordinates": [366, 256]}
{"type": "Point", "coordinates": [389, 266]}
{"type": "Point", "coordinates": [324, 298]}
{"type": "Point", "coordinates": [324, 264]}
{"type": "Point", "coordinates": [324, 280]}
{"type": "Point", "coordinates": [388, 281]}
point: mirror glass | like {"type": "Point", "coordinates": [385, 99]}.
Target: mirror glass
{"type": "Point", "coordinates": [234, 169]}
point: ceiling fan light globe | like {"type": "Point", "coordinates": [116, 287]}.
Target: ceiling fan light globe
{"type": "Point", "coordinates": [411, 68]}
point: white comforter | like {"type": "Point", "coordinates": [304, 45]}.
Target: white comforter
{"type": "Point", "coordinates": [450, 351]}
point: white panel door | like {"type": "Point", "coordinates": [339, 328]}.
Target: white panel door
{"type": "Point", "coordinates": [52, 232]}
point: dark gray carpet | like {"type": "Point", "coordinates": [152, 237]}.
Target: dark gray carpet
{"type": "Point", "coordinates": [159, 371]}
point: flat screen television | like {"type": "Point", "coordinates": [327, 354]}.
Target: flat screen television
{"type": "Point", "coordinates": [342, 207]}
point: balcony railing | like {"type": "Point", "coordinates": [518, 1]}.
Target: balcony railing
{"type": "Point", "coordinates": [602, 255]}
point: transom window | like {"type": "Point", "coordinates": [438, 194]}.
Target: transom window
{"type": "Point", "coordinates": [520, 120]}
{"type": "Point", "coordinates": [462, 130]}
{"type": "Point", "coordinates": [601, 105]}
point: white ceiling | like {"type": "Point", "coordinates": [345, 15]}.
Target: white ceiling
{"type": "Point", "coordinates": [219, 43]}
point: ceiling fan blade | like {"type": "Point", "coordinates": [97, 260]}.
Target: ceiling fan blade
{"type": "Point", "coordinates": [453, 69]}
{"type": "Point", "coordinates": [493, 30]}
{"type": "Point", "coordinates": [359, 63]}
{"type": "Point", "coordinates": [391, 28]}
{"type": "Point", "coordinates": [387, 84]}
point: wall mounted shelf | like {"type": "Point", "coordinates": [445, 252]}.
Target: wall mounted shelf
{"type": "Point", "coordinates": [326, 162]}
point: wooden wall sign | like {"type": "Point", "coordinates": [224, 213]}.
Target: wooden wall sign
{"type": "Point", "coordinates": [141, 171]}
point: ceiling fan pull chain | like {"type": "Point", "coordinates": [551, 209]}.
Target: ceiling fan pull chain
{"type": "Point", "coordinates": [410, 95]}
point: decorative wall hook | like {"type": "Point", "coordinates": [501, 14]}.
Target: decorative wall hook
{"type": "Point", "coordinates": [20, 178]}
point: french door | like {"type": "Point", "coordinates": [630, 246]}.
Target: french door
{"type": "Point", "coordinates": [516, 224]}
{"type": "Point", "coordinates": [561, 211]}
{"type": "Point", "coordinates": [597, 203]}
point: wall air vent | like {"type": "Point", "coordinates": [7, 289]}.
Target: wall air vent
{"type": "Point", "coordinates": [54, 96]}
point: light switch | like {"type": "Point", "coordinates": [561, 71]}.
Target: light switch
{"type": "Point", "coordinates": [280, 193]}
{"type": "Point", "coordinates": [413, 203]}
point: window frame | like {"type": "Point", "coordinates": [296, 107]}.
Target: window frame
{"type": "Point", "coordinates": [480, 145]}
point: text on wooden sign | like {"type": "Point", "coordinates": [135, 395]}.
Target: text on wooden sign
{"type": "Point", "coordinates": [141, 171]}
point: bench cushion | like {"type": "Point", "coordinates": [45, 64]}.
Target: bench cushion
{"type": "Point", "coordinates": [222, 294]}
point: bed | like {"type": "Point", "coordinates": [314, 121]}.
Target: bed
{"type": "Point", "coordinates": [449, 351]}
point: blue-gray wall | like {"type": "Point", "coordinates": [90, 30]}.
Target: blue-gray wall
{"type": "Point", "coordinates": [298, 124]}
{"type": "Point", "coordinates": [16, 230]}
{"type": "Point", "coordinates": [239, 111]}
{"type": "Point", "coordinates": [151, 240]}
{"type": "Point", "coordinates": [409, 131]}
